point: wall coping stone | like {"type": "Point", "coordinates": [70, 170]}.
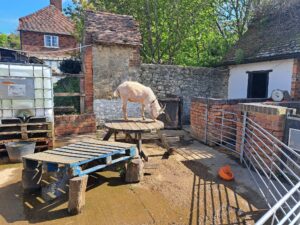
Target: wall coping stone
{"type": "Point", "coordinates": [218, 101]}
{"type": "Point", "coordinates": [266, 109]}
{"type": "Point", "coordinates": [225, 69]}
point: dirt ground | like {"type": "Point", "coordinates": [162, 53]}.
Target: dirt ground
{"type": "Point", "coordinates": [179, 189]}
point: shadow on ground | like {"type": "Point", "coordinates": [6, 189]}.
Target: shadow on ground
{"type": "Point", "coordinates": [35, 208]}
{"type": "Point", "coordinates": [214, 201]}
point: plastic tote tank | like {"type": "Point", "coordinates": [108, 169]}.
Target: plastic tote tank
{"type": "Point", "coordinates": [26, 87]}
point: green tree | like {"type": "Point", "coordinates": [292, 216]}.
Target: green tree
{"type": "Point", "coordinates": [3, 40]}
{"type": "Point", "coordinates": [10, 41]}
{"type": "Point", "coordinates": [184, 32]}
{"type": "Point", "coordinates": [76, 13]}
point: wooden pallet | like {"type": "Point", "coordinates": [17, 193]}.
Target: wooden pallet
{"type": "Point", "coordinates": [74, 163]}
{"type": "Point", "coordinates": [37, 129]}
{"type": "Point", "coordinates": [42, 144]}
{"type": "Point", "coordinates": [77, 156]}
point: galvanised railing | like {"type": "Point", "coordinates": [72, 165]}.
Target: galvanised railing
{"type": "Point", "coordinates": [273, 165]}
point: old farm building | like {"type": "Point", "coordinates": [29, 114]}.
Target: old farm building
{"type": "Point", "coordinates": [266, 57]}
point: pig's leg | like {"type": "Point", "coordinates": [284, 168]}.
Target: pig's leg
{"type": "Point", "coordinates": [124, 108]}
{"type": "Point", "coordinates": [143, 111]}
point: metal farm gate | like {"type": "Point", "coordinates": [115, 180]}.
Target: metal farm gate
{"type": "Point", "coordinates": [273, 165]}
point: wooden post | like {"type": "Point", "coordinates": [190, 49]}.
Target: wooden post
{"type": "Point", "coordinates": [77, 188]}
{"type": "Point", "coordinates": [134, 171]}
{"type": "Point", "coordinates": [108, 135]}
{"type": "Point", "coordinates": [139, 146]}
{"type": "Point", "coordinates": [24, 133]}
{"type": "Point", "coordinates": [82, 96]}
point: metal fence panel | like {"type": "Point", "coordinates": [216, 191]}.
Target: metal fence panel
{"type": "Point", "coordinates": [274, 162]}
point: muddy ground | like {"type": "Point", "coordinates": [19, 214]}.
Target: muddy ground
{"type": "Point", "coordinates": [179, 189]}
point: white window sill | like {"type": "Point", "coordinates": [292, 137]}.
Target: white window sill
{"type": "Point", "coordinates": [50, 47]}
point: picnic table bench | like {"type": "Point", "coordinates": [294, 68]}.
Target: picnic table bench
{"type": "Point", "coordinates": [77, 161]}
{"type": "Point", "coordinates": [135, 126]}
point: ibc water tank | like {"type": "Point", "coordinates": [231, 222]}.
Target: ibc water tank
{"type": "Point", "coordinates": [26, 87]}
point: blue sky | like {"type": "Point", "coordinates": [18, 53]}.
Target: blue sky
{"type": "Point", "coordinates": [12, 10]}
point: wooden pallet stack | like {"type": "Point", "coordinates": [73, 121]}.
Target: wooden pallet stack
{"type": "Point", "coordinates": [36, 129]}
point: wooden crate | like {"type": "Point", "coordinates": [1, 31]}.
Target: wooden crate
{"type": "Point", "coordinates": [37, 129]}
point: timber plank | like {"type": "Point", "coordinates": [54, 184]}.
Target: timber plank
{"type": "Point", "coordinates": [95, 148]}
{"type": "Point", "coordinates": [55, 152]}
{"type": "Point", "coordinates": [109, 143]}
{"type": "Point", "coordinates": [132, 126]}
{"type": "Point", "coordinates": [116, 126]}
{"type": "Point", "coordinates": [84, 150]}
{"type": "Point", "coordinates": [90, 154]}
{"type": "Point", "coordinates": [24, 124]}
{"type": "Point", "coordinates": [45, 157]}
{"type": "Point", "coordinates": [135, 125]}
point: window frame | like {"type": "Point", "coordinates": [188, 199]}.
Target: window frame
{"type": "Point", "coordinates": [51, 41]}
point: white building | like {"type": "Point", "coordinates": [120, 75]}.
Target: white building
{"type": "Point", "coordinates": [267, 57]}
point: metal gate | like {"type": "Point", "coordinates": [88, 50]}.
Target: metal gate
{"type": "Point", "coordinates": [273, 165]}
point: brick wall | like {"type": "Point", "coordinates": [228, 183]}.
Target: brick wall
{"type": "Point", "coordinates": [295, 89]}
{"type": "Point", "coordinates": [213, 108]}
{"type": "Point", "coordinates": [261, 117]}
{"type": "Point", "coordinates": [34, 41]}
{"type": "Point", "coordinates": [88, 79]}
{"type": "Point", "coordinates": [74, 124]}
{"type": "Point", "coordinates": [57, 4]}
{"type": "Point", "coordinates": [268, 117]}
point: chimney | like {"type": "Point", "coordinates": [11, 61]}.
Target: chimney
{"type": "Point", "coordinates": [57, 4]}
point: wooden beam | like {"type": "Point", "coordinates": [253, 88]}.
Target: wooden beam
{"type": "Point", "coordinates": [82, 96]}
{"type": "Point", "coordinates": [69, 94]}
{"type": "Point", "coordinates": [67, 75]}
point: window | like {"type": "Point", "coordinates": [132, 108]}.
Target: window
{"type": "Point", "coordinates": [51, 41]}
{"type": "Point", "coordinates": [258, 84]}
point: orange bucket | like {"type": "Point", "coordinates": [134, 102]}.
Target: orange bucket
{"type": "Point", "coordinates": [225, 173]}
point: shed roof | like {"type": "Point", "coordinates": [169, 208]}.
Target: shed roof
{"type": "Point", "coordinates": [109, 28]}
{"type": "Point", "coordinates": [47, 20]}
{"type": "Point", "coordinates": [274, 37]}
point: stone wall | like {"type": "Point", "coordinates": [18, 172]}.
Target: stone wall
{"type": "Point", "coordinates": [113, 65]}
{"type": "Point", "coordinates": [108, 66]}
{"type": "Point", "coordinates": [164, 80]}
{"type": "Point", "coordinates": [186, 82]}
{"type": "Point", "coordinates": [109, 109]}
{"type": "Point", "coordinates": [74, 124]}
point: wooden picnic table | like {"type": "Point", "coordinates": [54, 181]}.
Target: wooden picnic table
{"type": "Point", "coordinates": [136, 126]}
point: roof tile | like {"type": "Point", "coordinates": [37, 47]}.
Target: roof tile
{"type": "Point", "coordinates": [274, 37]}
{"type": "Point", "coordinates": [47, 20]}
{"type": "Point", "coordinates": [109, 28]}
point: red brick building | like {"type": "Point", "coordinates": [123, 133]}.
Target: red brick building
{"type": "Point", "coordinates": [48, 30]}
